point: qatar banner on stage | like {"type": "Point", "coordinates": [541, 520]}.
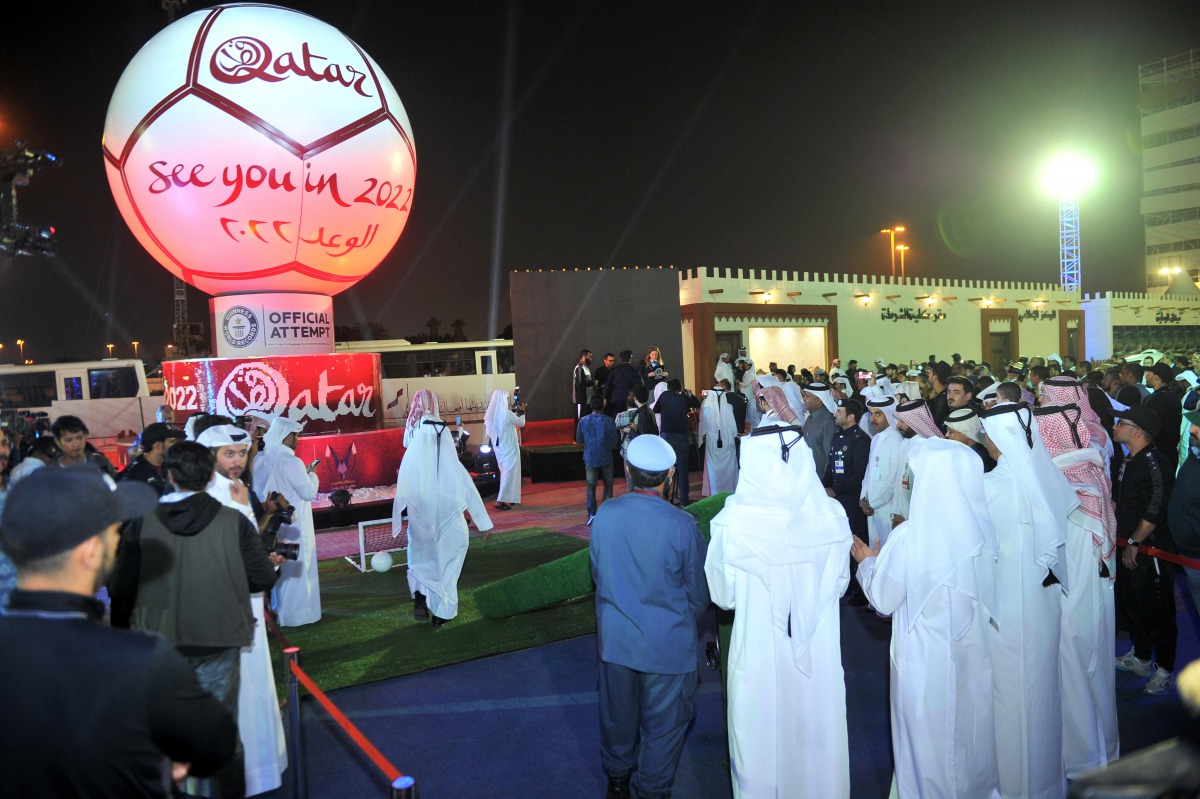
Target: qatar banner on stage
{"type": "Point", "coordinates": [327, 393]}
{"type": "Point", "coordinates": [354, 460]}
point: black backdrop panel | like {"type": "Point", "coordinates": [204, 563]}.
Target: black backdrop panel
{"type": "Point", "coordinates": [556, 314]}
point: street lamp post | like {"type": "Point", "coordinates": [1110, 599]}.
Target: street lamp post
{"type": "Point", "coordinates": [135, 346]}
{"type": "Point", "coordinates": [21, 344]}
{"type": "Point", "coordinates": [892, 231]}
{"type": "Point", "coordinates": [901, 248]}
{"type": "Point", "coordinates": [110, 349]}
{"type": "Point", "coordinates": [1066, 177]}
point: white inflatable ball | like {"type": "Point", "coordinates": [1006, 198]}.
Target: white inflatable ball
{"type": "Point", "coordinates": [381, 561]}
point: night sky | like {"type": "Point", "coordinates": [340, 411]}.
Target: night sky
{"type": "Point", "coordinates": [736, 134]}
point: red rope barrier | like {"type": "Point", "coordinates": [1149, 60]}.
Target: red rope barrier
{"type": "Point", "coordinates": [1170, 557]}
{"type": "Point", "coordinates": [381, 762]}
{"type": "Point", "coordinates": [368, 748]}
{"type": "Point", "coordinates": [274, 628]}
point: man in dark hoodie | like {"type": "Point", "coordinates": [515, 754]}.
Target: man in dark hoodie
{"type": "Point", "coordinates": [186, 572]}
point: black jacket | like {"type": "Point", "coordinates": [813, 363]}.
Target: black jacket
{"type": "Point", "coordinates": [620, 381]}
{"type": "Point", "coordinates": [1142, 492]}
{"type": "Point", "coordinates": [1168, 404]}
{"type": "Point", "coordinates": [94, 712]}
{"type": "Point", "coordinates": [146, 570]}
{"type": "Point", "coordinates": [846, 468]}
{"type": "Point", "coordinates": [142, 471]}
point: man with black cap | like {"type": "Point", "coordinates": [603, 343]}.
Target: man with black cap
{"type": "Point", "coordinates": [90, 711]}
{"type": "Point", "coordinates": [846, 464]}
{"type": "Point", "coordinates": [648, 564]}
{"type": "Point", "coordinates": [1167, 402]}
{"type": "Point", "coordinates": [155, 440]}
{"type": "Point", "coordinates": [1145, 585]}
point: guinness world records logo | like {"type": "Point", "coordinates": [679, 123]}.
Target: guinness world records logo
{"type": "Point", "coordinates": [240, 326]}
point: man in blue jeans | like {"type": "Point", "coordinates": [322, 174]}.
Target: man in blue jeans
{"type": "Point", "coordinates": [598, 434]}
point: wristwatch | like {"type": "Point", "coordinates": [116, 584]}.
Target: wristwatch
{"type": "Point", "coordinates": [1133, 542]}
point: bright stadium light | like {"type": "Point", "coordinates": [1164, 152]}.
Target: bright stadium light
{"type": "Point", "coordinates": [1066, 177]}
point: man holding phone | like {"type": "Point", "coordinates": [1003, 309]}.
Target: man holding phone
{"type": "Point", "coordinates": [298, 593]}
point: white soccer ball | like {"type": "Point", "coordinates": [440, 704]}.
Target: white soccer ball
{"type": "Point", "coordinates": [255, 148]}
{"type": "Point", "coordinates": [381, 561]}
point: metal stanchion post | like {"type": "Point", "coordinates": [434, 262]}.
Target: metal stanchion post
{"type": "Point", "coordinates": [299, 783]}
{"type": "Point", "coordinates": [403, 788]}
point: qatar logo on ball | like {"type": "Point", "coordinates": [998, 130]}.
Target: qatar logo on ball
{"type": "Point", "coordinates": [252, 148]}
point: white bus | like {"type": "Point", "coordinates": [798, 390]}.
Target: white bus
{"type": "Point", "coordinates": [37, 386]}
{"type": "Point", "coordinates": [463, 375]}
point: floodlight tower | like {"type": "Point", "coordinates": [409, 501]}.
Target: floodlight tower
{"type": "Point", "coordinates": [1066, 177]}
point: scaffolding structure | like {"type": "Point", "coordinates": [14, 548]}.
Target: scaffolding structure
{"type": "Point", "coordinates": [1068, 248]}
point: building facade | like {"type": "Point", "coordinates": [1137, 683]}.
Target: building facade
{"type": "Point", "coordinates": [1169, 102]}
{"type": "Point", "coordinates": [806, 319]}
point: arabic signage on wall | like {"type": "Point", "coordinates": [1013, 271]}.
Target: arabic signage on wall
{"type": "Point", "coordinates": [271, 324]}
{"type": "Point", "coordinates": [327, 393]}
{"type": "Point", "coordinates": [225, 174]}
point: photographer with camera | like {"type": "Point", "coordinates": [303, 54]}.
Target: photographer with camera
{"type": "Point", "coordinates": [500, 424]}
{"type": "Point", "coordinates": [278, 470]}
{"type": "Point", "coordinates": [186, 571]}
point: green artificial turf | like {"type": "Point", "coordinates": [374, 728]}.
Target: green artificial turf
{"type": "Point", "coordinates": [367, 631]}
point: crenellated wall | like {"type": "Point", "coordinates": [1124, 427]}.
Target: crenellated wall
{"type": "Point", "coordinates": [876, 316]}
{"type": "Point", "coordinates": [1130, 322]}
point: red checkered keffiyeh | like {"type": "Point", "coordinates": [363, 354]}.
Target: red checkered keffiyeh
{"type": "Point", "coordinates": [767, 387]}
{"type": "Point", "coordinates": [1068, 440]}
{"type": "Point", "coordinates": [918, 416]}
{"type": "Point", "coordinates": [423, 402]}
{"type": "Point", "coordinates": [1064, 390]}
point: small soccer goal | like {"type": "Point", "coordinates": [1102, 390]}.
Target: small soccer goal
{"type": "Point", "coordinates": [376, 536]}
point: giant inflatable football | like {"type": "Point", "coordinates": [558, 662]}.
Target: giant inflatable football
{"type": "Point", "coordinates": [252, 148]}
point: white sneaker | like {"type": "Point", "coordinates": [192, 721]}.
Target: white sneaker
{"type": "Point", "coordinates": [592, 518]}
{"type": "Point", "coordinates": [1160, 683]}
{"type": "Point", "coordinates": [1131, 662]}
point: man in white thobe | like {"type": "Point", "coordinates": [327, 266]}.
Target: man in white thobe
{"type": "Point", "coordinates": [723, 370]}
{"type": "Point", "coordinates": [935, 579]}
{"type": "Point", "coordinates": [1063, 390]}
{"type": "Point", "coordinates": [500, 425]}
{"type": "Point", "coordinates": [1090, 736]}
{"type": "Point", "coordinates": [778, 558]}
{"type": "Point", "coordinates": [718, 436]}
{"type": "Point", "coordinates": [260, 723]}
{"type": "Point", "coordinates": [1028, 500]}
{"type": "Point", "coordinates": [913, 420]}
{"type": "Point", "coordinates": [888, 458]}
{"type": "Point", "coordinates": [436, 490]}
{"type": "Point", "coordinates": [423, 401]}
{"type": "Point", "coordinates": [297, 598]}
